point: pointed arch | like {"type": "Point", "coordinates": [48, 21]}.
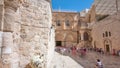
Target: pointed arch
{"type": "Point", "coordinates": [86, 36]}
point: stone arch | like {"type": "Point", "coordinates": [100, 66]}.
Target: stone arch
{"type": "Point", "coordinates": [86, 36]}
{"type": "Point", "coordinates": [107, 45]}
{"type": "Point", "coordinates": [59, 17]}
{"type": "Point", "coordinates": [69, 38]}
{"type": "Point", "coordinates": [76, 17]}
{"type": "Point", "coordinates": [59, 36]}
{"type": "Point", "coordinates": [69, 17]}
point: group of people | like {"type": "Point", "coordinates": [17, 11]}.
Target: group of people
{"type": "Point", "coordinates": [99, 50]}
{"type": "Point", "coordinates": [78, 51]}
{"type": "Point", "coordinates": [72, 50]}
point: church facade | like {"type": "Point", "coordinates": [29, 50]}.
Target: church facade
{"type": "Point", "coordinates": [71, 29]}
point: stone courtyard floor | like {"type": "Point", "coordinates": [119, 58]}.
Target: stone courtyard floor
{"type": "Point", "coordinates": [89, 60]}
{"type": "Point", "coordinates": [61, 61]}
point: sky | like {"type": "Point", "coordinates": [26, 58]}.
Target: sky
{"type": "Point", "coordinates": [71, 5]}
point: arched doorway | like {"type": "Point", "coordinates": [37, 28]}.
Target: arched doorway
{"type": "Point", "coordinates": [69, 39]}
{"type": "Point", "coordinates": [86, 36]}
{"type": "Point", "coordinates": [59, 38]}
{"type": "Point", "coordinates": [58, 43]}
{"type": "Point", "coordinates": [107, 45]}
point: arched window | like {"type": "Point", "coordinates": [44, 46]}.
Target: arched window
{"type": "Point", "coordinates": [67, 23]}
{"type": "Point", "coordinates": [109, 33]}
{"type": "Point", "coordinates": [106, 34]}
{"type": "Point", "coordinates": [86, 36]}
{"type": "Point", "coordinates": [58, 23]}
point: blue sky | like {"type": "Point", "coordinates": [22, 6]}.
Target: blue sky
{"type": "Point", "coordinates": [71, 5]}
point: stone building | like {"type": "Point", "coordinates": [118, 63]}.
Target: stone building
{"type": "Point", "coordinates": [107, 7]}
{"type": "Point", "coordinates": [26, 34]}
{"type": "Point", "coordinates": [105, 29]}
{"type": "Point", "coordinates": [105, 34]}
{"type": "Point", "coordinates": [71, 28]}
{"type": "Point", "coordinates": [100, 26]}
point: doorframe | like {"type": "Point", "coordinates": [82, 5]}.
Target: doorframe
{"type": "Point", "coordinates": [59, 42]}
{"type": "Point", "coordinates": [108, 42]}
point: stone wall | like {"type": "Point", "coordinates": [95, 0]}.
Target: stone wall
{"type": "Point", "coordinates": [73, 33]}
{"type": "Point", "coordinates": [106, 32]}
{"type": "Point", "coordinates": [27, 34]}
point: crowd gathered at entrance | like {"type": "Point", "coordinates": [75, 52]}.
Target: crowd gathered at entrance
{"type": "Point", "coordinates": [72, 50]}
{"type": "Point", "coordinates": [84, 53]}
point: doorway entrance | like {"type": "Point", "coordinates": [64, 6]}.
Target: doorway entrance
{"type": "Point", "coordinates": [107, 48]}
{"type": "Point", "coordinates": [108, 45]}
{"type": "Point", "coordinates": [58, 43]}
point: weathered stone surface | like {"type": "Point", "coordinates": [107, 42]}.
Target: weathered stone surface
{"type": "Point", "coordinates": [1, 16]}
{"type": "Point", "coordinates": [28, 38]}
{"type": "Point", "coordinates": [7, 43]}
{"type": "Point", "coordinates": [70, 28]}
{"type": "Point", "coordinates": [1, 2]}
{"type": "Point", "coordinates": [105, 33]}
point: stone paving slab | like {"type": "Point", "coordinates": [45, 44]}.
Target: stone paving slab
{"type": "Point", "coordinates": [89, 60]}
{"type": "Point", "coordinates": [60, 61]}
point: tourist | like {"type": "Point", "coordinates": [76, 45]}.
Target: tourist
{"type": "Point", "coordinates": [73, 50]}
{"type": "Point", "coordinates": [99, 64]}
{"type": "Point", "coordinates": [118, 52]}
{"type": "Point", "coordinates": [114, 52]}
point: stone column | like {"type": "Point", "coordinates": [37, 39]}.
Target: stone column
{"type": "Point", "coordinates": [82, 38]}
{"type": "Point", "coordinates": [82, 35]}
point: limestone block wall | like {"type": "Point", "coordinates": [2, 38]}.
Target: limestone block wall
{"type": "Point", "coordinates": [1, 12]}
{"type": "Point", "coordinates": [27, 36]}
{"type": "Point", "coordinates": [111, 26]}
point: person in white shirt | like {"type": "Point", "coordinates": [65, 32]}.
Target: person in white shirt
{"type": "Point", "coordinates": [99, 64]}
